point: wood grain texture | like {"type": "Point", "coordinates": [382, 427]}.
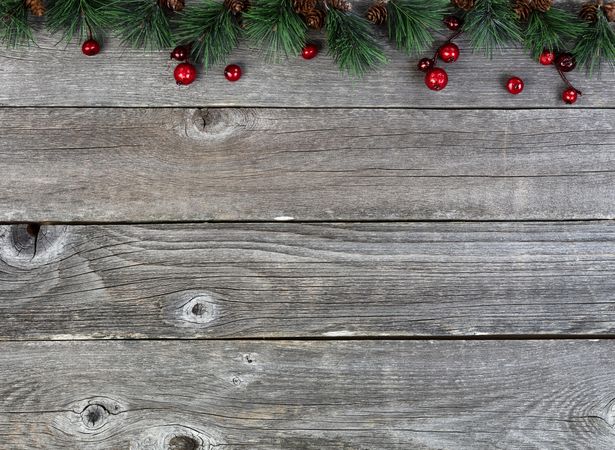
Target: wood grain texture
{"type": "Point", "coordinates": [308, 164]}
{"type": "Point", "coordinates": [307, 395]}
{"type": "Point", "coordinates": [54, 75]}
{"type": "Point", "coordinates": [310, 280]}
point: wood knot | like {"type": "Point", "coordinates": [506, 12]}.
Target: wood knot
{"type": "Point", "coordinates": [219, 123]}
{"type": "Point", "coordinates": [94, 416]}
{"type": "Point", "coordinates": [21, 245]}
{"type": "Point", "coordinates": [199, 309]}
{"type": "Point", "coordinates": [172, 437]}
{"type": "Point", "coordinates": [183, 443]}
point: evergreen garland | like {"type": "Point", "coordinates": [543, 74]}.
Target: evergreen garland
{"type": "Point", "coordinates": [410, 22]}
{"type": "Point", "coordinates": [550, 30]}
{"type": "Point", "coordinates": [15, 29]}
{"type": "Point", "coordinates": [274, 26]}
{"type": "Point", "coordinates": [144, 24]}
{"type": "Point", "coordinates": [491, 24]}
{"type": "Point", "coordinates": [350, 40]}
{"type": "Point", "coordinates": [597, 44]}
{"type": "Point", "coordinates": [82, 18]}
{"type": "Point", "coordinates": [213, 28]}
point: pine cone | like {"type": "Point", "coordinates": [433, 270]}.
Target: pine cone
{"type": "Point", "coordinates": [37, 7]}
{"type": "Point", "coordinates": [466, 5]}
{"type": "Point", "coordinates": [315, 19]}
{"type": "Point", "coordinates": [542, 5]}
{"type": "Point", "coordinates": [523, 9]}
{"type": "Point", "coordinates": [173, 5]}
{"type": "Point", "coordinates": [304, 6]}
{"type": "Point", "coordinates": [341, 5]}
{"type": "Point", "coordinates": [589, 12]}
{"type": "Point", "coordinates": [377, 13]}
{"type": "Point", "coordinates": [236, 6]}
{"type": "Point", "coordinates": [609, 10]}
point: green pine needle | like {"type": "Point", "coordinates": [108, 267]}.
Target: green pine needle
{"type": "Point", "coordinates": [409, 23]}
{"type": "Point", "coordinates": [81, 18]}
{"type": "Point", "coordinates": [210, 29]}
{"type": "Point", "coordinates": [351, 43]}
{"type": "Point", "coordinates": [274, 26]}
{"type": "Point", "coordinates": [551, 30]}
{"type": "Point", "coordinates": [596, 45]}
{"type": "Point", "coordinates": [492, 24]}
{"type": "Point", "coordinates": [14, 26]}
{"type": "Point", "coordinates": [144, 24]}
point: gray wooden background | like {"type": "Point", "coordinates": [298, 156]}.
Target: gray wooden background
{"type": "Point", "coordinates": [302, 261]}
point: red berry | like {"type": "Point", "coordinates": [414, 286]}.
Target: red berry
{"type": "Point", "coordinates": [452, 23]}
{"type": "Point", "coordinates": [569, 96]}
{"type": "Point", "coordinates": [436, 79]}
{"type": "Point", "coordinates": [565, 62]}
{"type": "Point", "coordinates": [232, 72]}
{"type": "Point", "coordinates": [90, 47]}
{"type": "Point", "coordinates": [180, 53]}
{"type": "Point", "coordinates": [449, 52]}
{"type": "Point", "coordinates": [514, 85]}
{"type": "Point", "coordinates": [309, 51]}
{"type": "Point", "coordinates": [547, 57]}
{"type": "Point", "coordinates": [425, 64]}
{"type": "Point", "coordinates": [185, 73]}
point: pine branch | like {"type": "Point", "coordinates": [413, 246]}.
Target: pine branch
{"type": "Point", "coordinates": [491, 24]}
{"type": "Point", "coordinates": [596, 45]}
{"type": "Point", "coordinates": [144, 24]}
{"type": "Point", "coordinates": [551, 30]}
{"type": "Point", "coordinates": [211, 30]}
{"type": "Point", "coordinates": [351, 43]}
{"type": "Point", "coordinates": [81, 18]}
{"type": "Point", "coordinates": [274, 26]}
{"type": "Point", "coordinates": [409, 23]}
{"type": "Point", "coordinates": [14, 26]}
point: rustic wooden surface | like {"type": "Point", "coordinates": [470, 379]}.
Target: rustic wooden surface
{"type": "Point", "coordinates": [308, 395]}
{"type": "Point", "coordinates": [266, 265]}
{"type": "Point", "coordinates": [306, 164]}
{"type": "Point", "coordinates": [292, 280]}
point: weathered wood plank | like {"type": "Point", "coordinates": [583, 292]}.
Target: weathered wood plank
{"type": "Point", "coordinates": [54, 75]}
{"type": "Point", "coordinates": [314, 164]}
{"type": "Point", "coordinates": [291, 280]}
{"type": "Point", "coordinates": [308, 395]}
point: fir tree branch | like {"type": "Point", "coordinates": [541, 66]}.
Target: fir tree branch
{"type": "Point", "coordinates": [14, 26]}
{"type": "Point", "coordinates": [144, 24]}
{"type": "Point", "coordinates": [596, 45]}
{"type": "Point", "coordinates": [351, 43]}
{"type": "Point", "coordinates": [409, 23]}
{"type": "Point", "coordinates": [81, 18]}
{"type": "Point", "coordinates": [274, 26]}
{"type": "Point", "coordinates": [551, 30]}
{"type": "Point", "coordinates": [210, 29]}
{"type": "Point", "coordinates": [491, 24]}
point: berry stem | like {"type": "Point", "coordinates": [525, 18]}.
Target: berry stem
{"type": "Point", "coordinates": [568, 83]}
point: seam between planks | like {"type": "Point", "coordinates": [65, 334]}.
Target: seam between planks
{"type": "Point", "coordinates": [316, 108]}
{"type": "Point", "coordinates": [491, 337]}
{"type": "Point", "coordinates": [315, 221]}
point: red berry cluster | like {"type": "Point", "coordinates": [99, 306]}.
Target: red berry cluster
{"type": "Point", "coordinates": [185, 72]}
{"type": "Point", "coordinates": [436, 78]}
{"type": "Point", "coordinates": [564, 62]}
